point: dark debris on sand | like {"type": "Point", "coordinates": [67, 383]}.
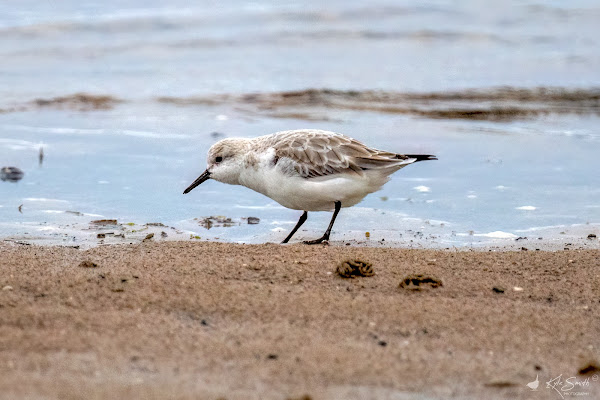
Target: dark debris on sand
{"type": "Point", "coordinates": [420, 282]}
{"type": "Point", "coordinates": [354, 268]}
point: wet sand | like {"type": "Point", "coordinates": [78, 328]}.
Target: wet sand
{"type": "Point", "coordinates": [186, 320]}
{"type": "Point", "coordinates": [492, 104]}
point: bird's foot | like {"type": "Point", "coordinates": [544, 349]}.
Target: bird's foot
{"type": "Point", "coordinates": [324, 240]}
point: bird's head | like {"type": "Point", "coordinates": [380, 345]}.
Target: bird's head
{"type": "Point", "coordinates": [224, 163]}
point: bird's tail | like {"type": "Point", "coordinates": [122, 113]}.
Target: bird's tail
{"type": "Point", "coordinates": [421, 157]}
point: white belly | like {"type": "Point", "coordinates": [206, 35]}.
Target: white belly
{"type": "Point", "coordinates": [314, 194]}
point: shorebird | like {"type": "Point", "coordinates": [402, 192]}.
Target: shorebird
{"type": "Point", "coordinates": [307, 170]}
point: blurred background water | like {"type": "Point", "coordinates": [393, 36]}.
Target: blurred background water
{"type": "Point", "coordinates": [126, 97]}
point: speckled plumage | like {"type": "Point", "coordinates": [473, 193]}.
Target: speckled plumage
{"type": "Point", "coordinates": [320, 153]}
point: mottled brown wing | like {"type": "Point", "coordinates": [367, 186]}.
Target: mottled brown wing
{"type": "Point", "coordinates": [319, 153]}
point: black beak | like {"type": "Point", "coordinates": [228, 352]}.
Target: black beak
{"type": "Point", "coordinates": [205, 176]}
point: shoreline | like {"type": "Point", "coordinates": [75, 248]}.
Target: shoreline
{"type": "Point", "coordinates": [112, 232]}
{"type": "Point", "coordinates": [218, 320]}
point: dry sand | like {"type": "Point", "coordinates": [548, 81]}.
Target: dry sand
{"type": "Point", "coordinates": [185, 320]}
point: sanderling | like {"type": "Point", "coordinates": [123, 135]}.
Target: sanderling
{"type": "Point", "coordinates": [308, 170]}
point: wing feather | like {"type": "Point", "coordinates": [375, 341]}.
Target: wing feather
{"type": "Point", "coordinates": [315, 153]}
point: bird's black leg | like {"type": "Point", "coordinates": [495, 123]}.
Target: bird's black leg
{"type": "Point", "coordinates": [325, 237]}
{"type": "Point", "coordinates": [298, 225]}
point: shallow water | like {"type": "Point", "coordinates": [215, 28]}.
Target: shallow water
{"type": "Point", "coordinates": [513, 162]}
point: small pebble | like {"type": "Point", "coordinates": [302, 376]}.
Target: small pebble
{"type": "Point", "coordinates": [88, 264]}
{"type": "Point", "coordinates": [11, 174]}
{"type": "Point", "coordinates": [7, 287]}
{"type": "Point", "coordinates": [518, 289]}
{"type": "Point", "coordinates": [148, 237]}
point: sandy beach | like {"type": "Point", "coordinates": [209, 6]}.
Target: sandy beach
{"type": "Point", "coordinates": [184, 320]}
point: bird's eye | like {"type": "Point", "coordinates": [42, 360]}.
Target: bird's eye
{"type": "Point", "coordinates": [219, 159]}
